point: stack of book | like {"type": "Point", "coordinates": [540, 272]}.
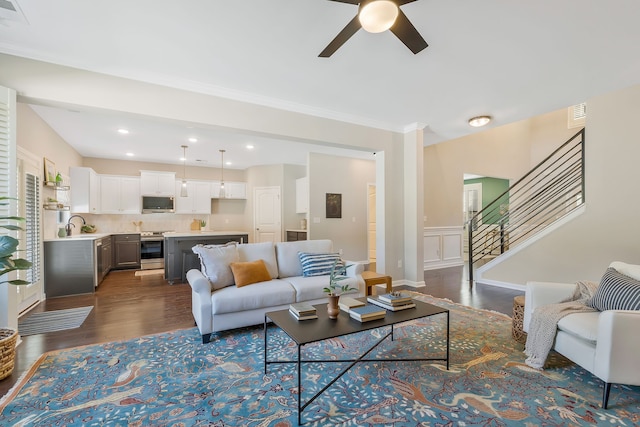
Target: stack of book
{"type": "Point", "coordinates": [367, 313]}
{"type": "Point", "coordinates": [347, 303]}
{"type": "Point", "coordinates": [303, 311]}
{"type": "Point", "coordinates": [392, 302]}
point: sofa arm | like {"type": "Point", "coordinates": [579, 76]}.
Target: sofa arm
{"type": "Point", "coordinates": [355, 270]}
{"type": "Point", "coordinates": [544, 293]}
{"type": "Point", "coordinates": [617, 354]}
{"type": "Point", "coordinates": [201, 301]}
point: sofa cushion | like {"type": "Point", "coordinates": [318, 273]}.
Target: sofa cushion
{"type": "Point", "coordinates": [310, 288]}
{"type": "Point", "coordinates": [581, 325]}
{"type": "Point", "coordinates": [264, 251]}
{"type": "Point", "coordinates": [250, 272]}
{"type": "Point", "coordinates": [214, 263]}
{"type": "Point", "coordinates": [616, 292]}
{"type": "Point", "coordinates": [318, 264]}
{"type": "Point", "coordinates": [232, 299]}
{"type": "Point", "coordinates": [287, 254]}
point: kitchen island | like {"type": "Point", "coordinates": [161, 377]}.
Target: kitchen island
{"type": "Point", "coordinates": [178, 256]}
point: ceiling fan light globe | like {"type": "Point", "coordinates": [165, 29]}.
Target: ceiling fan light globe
{"type": "Point", "coordinates": [378, 15]}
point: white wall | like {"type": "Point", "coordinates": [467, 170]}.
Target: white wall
{"type": "Point", "coordinates": [348, 177]}
{"type": "Point", "coordinates": [609, 228]}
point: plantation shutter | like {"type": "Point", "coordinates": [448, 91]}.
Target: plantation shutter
{"type": "Point", "coordinates": [32, 226]}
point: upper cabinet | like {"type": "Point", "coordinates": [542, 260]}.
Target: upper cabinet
{"type": "Point", "coordinates": [233, 190]}
{"type": "Point", "coordinates": [85, 190]}
{"type": "Point", "coordinates": [157, 183]}
{"type": "Point", "coordinates": [302, 195]}
{"type": "Point", "coordinates": [119, 194]}
{"type": "Point", "coordinates": [198, 198]}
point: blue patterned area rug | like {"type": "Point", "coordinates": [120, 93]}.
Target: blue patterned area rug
{"type": "Point", "coordinates": [171, 379]}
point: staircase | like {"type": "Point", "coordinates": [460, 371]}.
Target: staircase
{"type": "Point", "coordinates": [552, 189]}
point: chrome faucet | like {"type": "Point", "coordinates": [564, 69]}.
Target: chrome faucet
{"type": "Point", "coordinates": [67, 227]}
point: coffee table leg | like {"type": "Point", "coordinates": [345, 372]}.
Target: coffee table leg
{"type": "Point", "coordinates": [447, 340]}
{"type": "Point", "coordinates": [391, 332]}
{"type": "Point", "coordinates": [299, 390]}
{"type": "Point", "coordinates": [265, 345]}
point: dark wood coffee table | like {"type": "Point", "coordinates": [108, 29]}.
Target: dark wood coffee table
{"type": "Point", "coordinates": [310, 331]}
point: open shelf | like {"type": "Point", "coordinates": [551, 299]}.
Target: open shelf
{"type": "Point", "coordinates": [52, 184]}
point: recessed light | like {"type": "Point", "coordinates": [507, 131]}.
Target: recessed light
{"type": "Point", "coordinates": [130, 154]}
{"type": "Point", "coordinates": [250, 147]}
{"type": "Point", "coordinates": [193, 139]}
{"type": "Point", "coordinates": [183, 159]}
{"type": "Point", "coordinates": [479, 121]}
{"type": "Point", "coordinates": [123, 131]}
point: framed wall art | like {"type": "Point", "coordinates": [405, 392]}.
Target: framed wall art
{"type": "Point", "coordinates": [334, 205]}
{"type": "Point", "coordinates": [49, 170]}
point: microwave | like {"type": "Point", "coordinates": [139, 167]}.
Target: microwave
{"type": "Point", "coordinates": [158, 204]}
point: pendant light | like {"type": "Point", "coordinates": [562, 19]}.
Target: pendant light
{"type": "Point", "coordinates": [183, 188]}
{"type": "Point", "coordinates": [223, 193]}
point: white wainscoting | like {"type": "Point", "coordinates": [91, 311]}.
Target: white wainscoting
{"type": "Point", "coordinates": [442, 247]}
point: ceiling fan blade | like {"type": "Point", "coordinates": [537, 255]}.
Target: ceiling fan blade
{"type": "Point", "coordinates": [407, 33]}
{"type": "Point", "coordinates": [401, 2]}
{"type": "Point", "coordinates": [344, 35]}
{"type": "Point", "coordinates": [352, 1]}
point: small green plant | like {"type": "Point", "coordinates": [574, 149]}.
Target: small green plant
{"type": "Point", "coordinates": [203, 223]}
{"type": "Point", "coordinates": [8, 246]}
{"type": "Point", "coordinates": [338, 273]}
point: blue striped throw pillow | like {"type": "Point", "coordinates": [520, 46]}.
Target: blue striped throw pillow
{"type": "Point", "coordinates": [616, 292]}
{"type": "Point", "coordinates": [318, 264]}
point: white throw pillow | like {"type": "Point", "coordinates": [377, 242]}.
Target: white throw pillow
{"type": "Point", "coordinates": [215, 261]}
{"type": "Point", "coordinates": [630, 270]}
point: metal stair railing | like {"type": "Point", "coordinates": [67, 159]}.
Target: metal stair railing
{"type": "Point", "coordinates": [548, 192]}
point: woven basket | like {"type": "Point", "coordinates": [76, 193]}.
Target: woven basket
{"type": "Point", "coordinates": [8, 338]}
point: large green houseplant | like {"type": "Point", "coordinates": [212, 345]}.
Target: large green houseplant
{"type": "Point", "coordinates": [8, 246]}
{"type": "Point", "coordinates": [8, 263]}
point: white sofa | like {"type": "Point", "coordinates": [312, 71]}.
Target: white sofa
{"type": "Point", "coordinates": [232, 307]}
{"type": "Point", "coordinates": [603, 342]}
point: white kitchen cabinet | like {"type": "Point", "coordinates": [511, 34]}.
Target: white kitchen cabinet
{"type": "Point", "coordinates": [233, 190]}
{"type": "Point", "coordinates": [119, 194]}
{"type": "Point", "coordinates": [198, 200]}
{"type": "Point", "coordinates": [302, 195]}
{"type": "Point", "coordinates": [85, 190]}
{"type": "Point", "coordinates": [157, 183]}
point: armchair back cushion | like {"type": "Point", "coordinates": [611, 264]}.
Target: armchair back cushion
{"type": "Point", "coordinates": [616, 292]}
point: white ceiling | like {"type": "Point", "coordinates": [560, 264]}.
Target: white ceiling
{"type": "Point", "coordinates": [511, 60]}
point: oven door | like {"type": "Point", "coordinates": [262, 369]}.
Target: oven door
{"type": "Point", "coordinates": [152, 253]}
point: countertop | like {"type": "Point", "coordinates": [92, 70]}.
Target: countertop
{"type": "Point", "coordinates": [202, 233]}
{"type": "Point", "coordinates": [95, 236]}
{"type": "Point", "coordinates": [86, 236]}
{"type": "Point", "coordinates": [297, 230]}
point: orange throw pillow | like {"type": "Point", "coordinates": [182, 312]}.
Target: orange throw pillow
{"type": "Point", "coordinates": [246, 273]}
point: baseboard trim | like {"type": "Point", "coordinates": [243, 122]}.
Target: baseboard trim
{"type": "Point", "coordinates": [500, 284]}
{"type": "Point", "coordinates": [408, 283]}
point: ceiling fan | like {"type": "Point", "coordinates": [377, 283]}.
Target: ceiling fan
{"type": "Point", "coordinates": [376, 16]}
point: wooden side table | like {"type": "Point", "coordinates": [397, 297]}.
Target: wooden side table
{"type": "Point", "coordinates": [371, 278]}
{"type": "Point", "coordinates": [518, 317]}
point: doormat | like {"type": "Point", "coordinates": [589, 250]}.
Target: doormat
{"type": "Point", "coordinates": [149, 272]}
{"type": "Point", "coordinates": [53, 321]}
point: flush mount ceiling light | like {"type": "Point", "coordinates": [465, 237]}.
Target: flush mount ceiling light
{"type": "Point", "coordinates": [223, 193]}
{"type": "Point", "coordinates": [479, 121]}
{"type": "Point", "coordinates": [183, 188]}
{"type": "Point", "coordinates": [193, 139]}
{"type": "Point", "coordinates": [378, 15]}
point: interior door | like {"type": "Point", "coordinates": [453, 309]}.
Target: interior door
{"type": "Point", "coordinates": [371, 224]}
{"type": "Point", "coordinates": [267, 214]}
{"type": "Point", "coordinates": [29, 205]}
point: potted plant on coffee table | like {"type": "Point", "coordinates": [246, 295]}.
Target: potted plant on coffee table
{"type": "Point", "coordinates": [8, 246]}
{"type": "Point", "coordinates": [334, 290]}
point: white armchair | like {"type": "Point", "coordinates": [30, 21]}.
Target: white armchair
{"type": "Point", "coordinates": [604, 343]}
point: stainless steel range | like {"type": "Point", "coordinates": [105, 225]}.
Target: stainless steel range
{"type": "Point", "coordinates": [151, 250]}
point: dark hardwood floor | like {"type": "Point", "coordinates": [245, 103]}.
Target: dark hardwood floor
{"type": "Point", "coordinates": [126, 306]}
